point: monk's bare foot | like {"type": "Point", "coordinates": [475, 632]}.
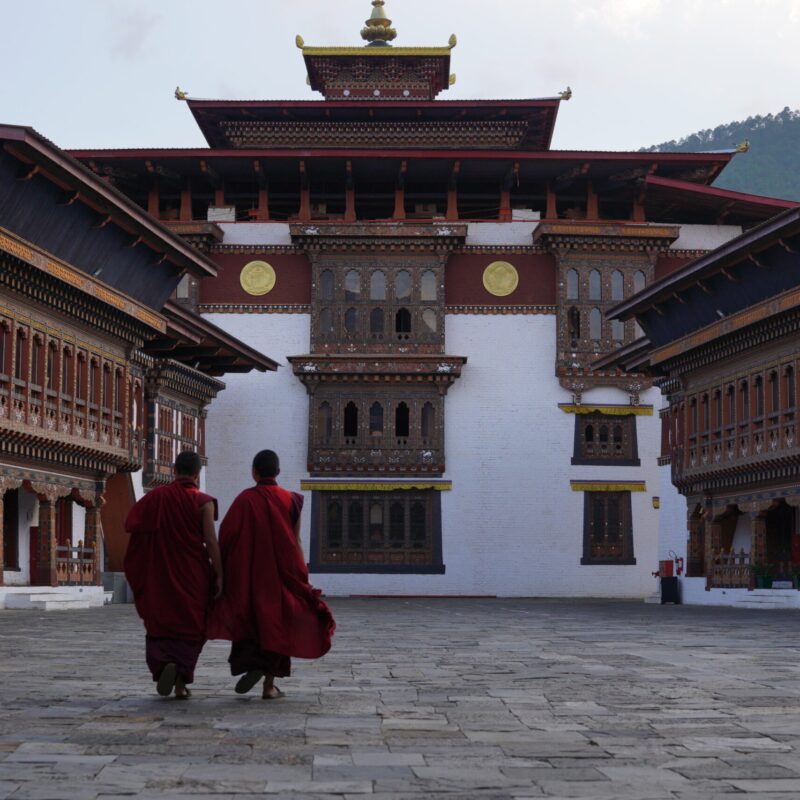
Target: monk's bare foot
{"type": "Point", "coordinates": [271, 691]}
{"type": "Point", "coordinates": [167, 680]}
{"type": "Point", "coordinates": [181, 692]}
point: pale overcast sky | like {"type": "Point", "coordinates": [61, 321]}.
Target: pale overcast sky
{"type": "Point", "coordinates": [101, 73]}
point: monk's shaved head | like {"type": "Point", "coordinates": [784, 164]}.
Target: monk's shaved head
{"type": "Point", "coordinates": [188, 463]}
{"type": "Point", "coordinates": [266, 464]}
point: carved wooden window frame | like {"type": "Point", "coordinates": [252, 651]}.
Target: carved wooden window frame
{"type": "Point", "coordinates": [351, 554]}
{"type": "Point", "coordinates": [607, 541]}
{"type": "Point", "coordinates": [614, 454]}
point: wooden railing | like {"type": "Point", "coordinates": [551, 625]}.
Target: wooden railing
{"type": "Point", "coordinates": [75, 565]}
{"type": "Point", "coordinates": [729, 570]}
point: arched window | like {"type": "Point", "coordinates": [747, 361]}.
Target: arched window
{"type": "Point", "coordinates": [401, 421]}
{"type": "Point", "coordinates": [94, 368]}
{"type": "Point", "coordinates": [52, 353]}
{"type": "Point", "coordinates": [595, 291]}
{"type": "Point", "coordinates": [618, 439]}
{"type": "Point", "coordinates": [604, 434]}
{"type": "Point", "coordinates": [428, 421]}
{"type": "Point", "coordinates": [376, 420]}
{"type": "Point", "coordinates": [731, 393]}
{"type": "Point", "coordinates": [790, 390]}
{"type": "Point", "coordinates": [574, 326]}
{"type": "Point", "coordinates": [66, 378]}
{"type": "Point", "coordinates": [595, 325]}
{"type": "Point", "coordinates": [351, 421]}
{"type": "Point", "coordinates": [589, 434]}
{"type": "Point", "coordinates": [325, 423]}
{"type": "Point", "coordinates": [402, 323]}
{"type": "Point", "coordinates": [334, 531]}
{"type": "Point", "coordinates": [80, 377]}
{"type": "Point", "coordinates": [326, 285]}
{"type": "Point", "coordinates": [759, 396]}
{"type": "Point", "coordinates": [617, 330]}
{"type": "Point", "coordinates": [355, 524]}
{"type": "Point", "coordinates": [19, 363]}
{"type": "Point", "coordinates": [377, 285]}
{"type": "Point", "coordinates": [617, 291]}
{"type": "Point", "coordinates": [402, 285]}
{"type": "Point", "coordinates": [397, 526]}
{"type": "Point", "coordinates": [118, 391]}
{"type": "Point", "coordinates": [105, 398]}
{"type": "Point", "coordinates": [639, 281]}
{"type": "Point", "coordinates": [429, 320]}
{"type": "Point", "coordinates": [775, 392]}
{"type": "Point", "coordinates": [376, 321]}
{"type": "Point", "coordinates": [572, 284]}
{"type": "Point", "coordinates": [693, 408]}
{"type": "Point", "coordinates": [717, 408]}
{"type": "Point", "coordinates": [418, 533]}
{"type": "Point", "coordinates": [376, 525]}
{"type": "Point", "coordinates": [428, 287]}
{"type": "Point", "coordinates": [351, 321]}
{"type": "Point", "coordinates": [352, 286]}
{"type": "Point", "coordinates": [704, 403]}
{"type": "Point", "coordinates": [326, 322]}
{"type": "Point", "coordinates": [744, 390]}
{"type": "Point", "coordinates": [36, 359]}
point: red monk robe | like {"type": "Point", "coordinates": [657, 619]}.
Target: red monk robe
{"type": "Point", "coordinates": [167, 565]}
{"type": "Point", "coordinates": [268, 604]}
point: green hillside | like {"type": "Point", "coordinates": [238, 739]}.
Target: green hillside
{"type": "Point", "coordinates": [772, 167]}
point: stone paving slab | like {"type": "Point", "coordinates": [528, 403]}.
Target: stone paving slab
{"type": "Point", "coordinates": [458, 699]}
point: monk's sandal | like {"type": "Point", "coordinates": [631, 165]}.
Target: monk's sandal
{"type": "Point", "coordinates": [248, 681]}
{"type": "Point", "coordinates": [166, 680]}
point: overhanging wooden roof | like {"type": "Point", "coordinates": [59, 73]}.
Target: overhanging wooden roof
{"type": "Point", "coordinates": [200, 344]}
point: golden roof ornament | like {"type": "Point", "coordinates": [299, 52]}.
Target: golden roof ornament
{"type": "Point", "coordinates": [453, 41]}
{"type": "Point", "coordinates": [379, 31]}
{"type": "Point", "coordinates": [744, 147]}
{"type": "Point", "coordinates": [566, 94]}
{"type": "Point", "coordinates": [299, 42]}
{"type": "Point", "coordinates": [180, 94]}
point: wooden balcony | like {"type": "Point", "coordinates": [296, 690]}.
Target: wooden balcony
{"type": "Point", "coordinates": [389, 455]}
{"type": "Point", "coordinates": [75, 566]}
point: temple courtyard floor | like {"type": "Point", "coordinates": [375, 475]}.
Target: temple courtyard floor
{"type": "Point", "coordinates": [418, 698]}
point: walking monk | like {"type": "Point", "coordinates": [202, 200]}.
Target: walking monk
{"type": "Point", "coordinates": [174, 568]}
{"type": "Point", "coordinates": [269, 611]}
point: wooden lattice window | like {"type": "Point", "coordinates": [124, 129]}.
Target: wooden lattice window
{"type": "Point", "coordinates": [607, 528]}
{"type": "Point", "coordinates": [572, 284]}
{"type": "Point", "coordinates": [392, 531]}
{"type": "Point", "coordinates": [606, 439]}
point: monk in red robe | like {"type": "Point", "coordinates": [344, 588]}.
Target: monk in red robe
{"type": "Point", "coordinates": [174, 568]}
{"type": "Point", "coordinates": [269, 611]}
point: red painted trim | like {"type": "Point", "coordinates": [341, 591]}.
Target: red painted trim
{"type": "Point", "coordinates": [722, 194]}
{"type": "Point", "coordinates": [481, 155]}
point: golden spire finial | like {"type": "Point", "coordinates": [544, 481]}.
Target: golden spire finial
{"type": "Point", "coordinates": [379, 30]}
{"type": "Point", "coordinates": [566, 94]}
{"type": "Point", "coordinates": [179, 93]}
{"type": "Point", "coordinates": [744, 147]}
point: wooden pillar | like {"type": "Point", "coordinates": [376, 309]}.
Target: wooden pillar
{"type": "Point", "coordinates": [400, 196]}
{"type": "Point", "coordinates": [154, 201]}
{"type": "Point", "coordinates": [552, 209]}
{"type": "Point", "coordinates": [304, 213]}
{"type": "Point", "coordinates": [758, 537]}
{"type": "Point", "coordinates": [262, 213]}
{"type": "Point", "coordinates": [219, 195]}
{"type": "Point", "coordinates": [349, 195]}
{"type": "Point", "coordinates": [592, 204]}
{"type": "Point", "coordinates": [695, 561]}
{"type": "Point", "coordinates": [46, 544]}
{"type": "Point", "coordinates": [2, 535]}
{"type": "Point", "coordinates": [91, 540]}
{"type": "Point", "coordinates": [186, 203]}
{"type": "Point", "coordinates": [452, 194]}
{"type": "Point", "coordinates": [505, 205]}
{"type": "Point", "coordinates": [639, 213]}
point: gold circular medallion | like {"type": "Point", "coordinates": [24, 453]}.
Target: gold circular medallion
{"type": "Point", "coordinates": [500, 278]}
{"type": "Point", "coordinates": [257, 278]}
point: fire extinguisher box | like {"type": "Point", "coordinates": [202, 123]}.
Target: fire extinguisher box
{"type": "Point", "coordinates": [665, 568]}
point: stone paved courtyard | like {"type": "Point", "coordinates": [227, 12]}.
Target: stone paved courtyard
{"type": "Point", "coordinates": [418, 698]}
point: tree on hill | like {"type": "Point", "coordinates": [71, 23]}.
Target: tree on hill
{"type": "Point", "coordinates": [771, 167]}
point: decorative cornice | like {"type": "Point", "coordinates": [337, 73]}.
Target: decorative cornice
{"type": "Point", "coordinates": [257, 249]}
{"type": "Point", "coordinates": [492, 309]}
{"type": "Point", "coordinates": [323, 485]}
{"type": "Point", "coordinates": [54, 267]}
{"type": "Point", "coordinates": [182, 379]}
{"type": "Point", "coordinates": [608, 410]}
{"type": "Point", "coordinates": [608, 486]}
{"type": "Point", "coordinates": [248, 308]}
{"type": "Point", "coordinates": [625, 237]}
{"type": "Point", "coordinates": [377, 236]}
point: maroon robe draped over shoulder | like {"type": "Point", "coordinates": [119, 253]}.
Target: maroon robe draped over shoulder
{"type": "Point", "coordinates": [267, 596]}
{"type": "Point", "coordinates": [167, 564]}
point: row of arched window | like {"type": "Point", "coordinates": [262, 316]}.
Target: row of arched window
{"type": "Point", "coordinates": [29, 356]}
{"type": "Point", "coordinates": [749, 399]}
{"type": "Point", "coordinates": [377, 423]}
{"type": "Point", "coordinates": [595, 332]}
{"type": "Point", "coordinates": [359, 322]}
{"type": "Point", "coordinates": [378, 287]}
{"type": "Point", "coordinates": [596, 285]}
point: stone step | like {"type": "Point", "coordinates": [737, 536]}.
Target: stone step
{"type": "Point", "coordinates": [46, 598]}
